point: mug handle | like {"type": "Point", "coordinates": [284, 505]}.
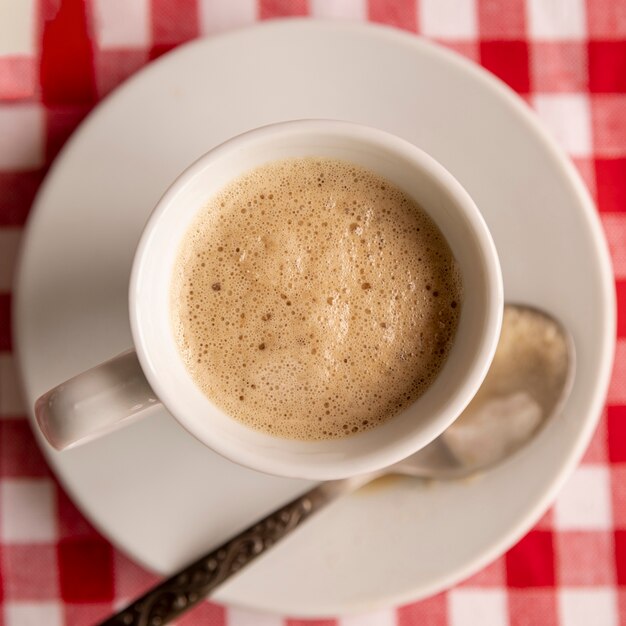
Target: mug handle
{"type": "Point", "coordinates": [98, 401]}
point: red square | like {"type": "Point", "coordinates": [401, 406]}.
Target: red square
{"type": "Point", "coordinates": [87, 614]}
{"type": "Point", "coordinates": [130, 579]}
{"type": "Point", "coordinates": [531, 562]}
{"type": "Point", "coordinates": [398, 13]}
{"type": "Point", "coordinates": [620, 556]}
{"type": "Point", "coordinates": [5, 321]}
{"type": "Point", "coordinates": [618, 495]}
{"type": "Point", "coordinates": [17, 192]}
{"type": "Point", "coordinates": [558, 66]}
{"type": "Point", "coordinates": [61, 122]}
{"type": "Point", "coordinates": [429, 612]}
{"type": "Point", "coordinates": [611, 184]}
{"type": "Point", "coordinates": [18, 77]}
{"type": "Point", "coordinates": [597, 451]}
{"type": "Point", "coordinates": [494, 575]}
{"type": "Point", "coordinates": [617, 384]}
{"type": "Point", "coordinates": [66, 66]}
{"type": "Point", "coordinates": [608, 119]}
{"type": "Point", "coordinates": [29, 572]}
{"type": "Point", "coordinates": [607, 66]}
{"type": "Point", "coordinates": [620, 290]}
{"type": "Point", "coordinates": [72, 523]}
{"type": "Point", "coordinates": [269, 9]}
{"type": "Point", "coordinates": [86, 570]}
{"type": "Point", "coordinates": [585, 558]}
{"type": "Point", "coordinates": [532, 606]}
{"type": "Point", "coordinates": [209, 613]}
{"type": "Point", "coordinates": [497, 21]}
{"type": "Point", "coordinates": [112, 67]}
{"type": "Point", "coordinates": [616, 421]}
{"type": "Point", "coordinates": [174, 21]}
{"type": "Point", "coordinates": [20, 456]}
{"type": "Point", "coordinates": [160, 49]}
{"type": "Point", "coordinates": [606, 19]}
{"type": "Point", "coordinates": [509, 61]}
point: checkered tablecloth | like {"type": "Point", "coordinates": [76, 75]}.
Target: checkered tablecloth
{"type": "Point", "coordinates": [567, 58]}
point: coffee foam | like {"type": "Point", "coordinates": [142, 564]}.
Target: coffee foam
{"type": "Point", "coordinates": [312, 299]}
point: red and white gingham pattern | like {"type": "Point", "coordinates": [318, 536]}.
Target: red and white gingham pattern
{"type": "Point", "coordinates": [567, 58]}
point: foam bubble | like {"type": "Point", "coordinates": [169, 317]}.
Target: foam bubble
{"type": "Point", "coordinates": [313, 308]}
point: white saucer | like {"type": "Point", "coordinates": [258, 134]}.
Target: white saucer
{"type": "Point", "coordinates": [159, 494]}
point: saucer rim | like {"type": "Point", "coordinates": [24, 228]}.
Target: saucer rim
{"type": "Point", "coordinates": [560, 159]}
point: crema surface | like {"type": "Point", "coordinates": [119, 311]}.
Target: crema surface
{"type": "Point", "coordinates": [312, 299]}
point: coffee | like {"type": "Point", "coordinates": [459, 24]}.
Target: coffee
{"type": "Point", "coordinates": [311, 299]}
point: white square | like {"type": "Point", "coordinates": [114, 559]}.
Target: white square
{"type": "Point", "coordinates": [17, 27]}
{"type": "Point", "coordinates": [581, 607]}
{"type": "Point", "coordinates": [243, 617]}
{"type": "Point", "coordinates": [557, 19]}
{"type": "Point", "coordinates": [11, 400]}
{"type": "Point", "coordinates": [217, 15]}
{"type": "Point", "coordinates": [33, 614]}
{"type": "Point", "coordinates": [27, 511]}
{"type": "Point", "coordinates": [386, 617]}
{"type": "Point", "coordinates": [9, 243]}
{"type": "Point", "coordinates": [568, 118]}
{"type": "Point", "coordinates": [22, 133]}
{"type": "Point", "coordinates": [585, 501]}
{"type": "Point", "coordinates": [347, 9]}
{"type": "Point", "coordinates": [123, 23]}
{"type": "Point", "coordinates": [468, 607]}
{"type": "Point", "coordinates": [448, 19]}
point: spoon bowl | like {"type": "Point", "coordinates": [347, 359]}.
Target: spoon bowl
{"type": "Point", "coordinates": [528, 383]}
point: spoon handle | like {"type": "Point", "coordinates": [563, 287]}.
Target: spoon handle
{"type": "Point", "coordinates": [195, 582]}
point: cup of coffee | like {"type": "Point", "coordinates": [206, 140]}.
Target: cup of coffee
{"type": "Point", "coordinates": [312, 299]}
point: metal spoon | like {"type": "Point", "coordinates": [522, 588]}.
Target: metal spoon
{"type": "Point", "coordinates": [528, 383]}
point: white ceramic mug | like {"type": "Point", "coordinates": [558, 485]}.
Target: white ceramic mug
{"type": "Point", "coordinates": [127, 387]}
